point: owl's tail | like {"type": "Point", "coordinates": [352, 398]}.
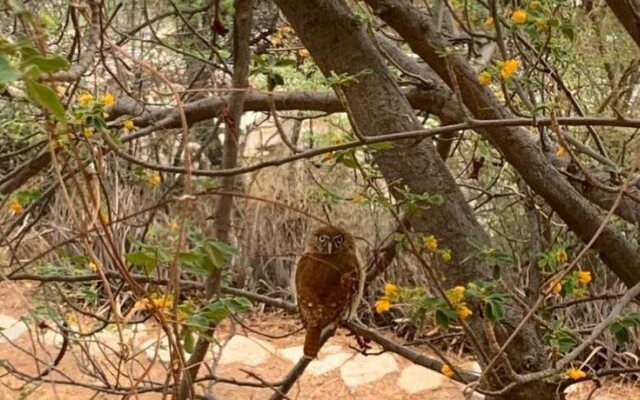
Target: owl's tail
{"type": "Point", "coordinates": [312, 342]}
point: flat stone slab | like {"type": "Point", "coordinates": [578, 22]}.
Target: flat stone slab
{"type": "Point", "coordinates": [11, 328]}
{"type": "Point", "coordinates": [245, 350]}
{"type": "Point", "coordinates": [471, 367]}
{"type": "Point", "coordinates": [295, 353]}
{"type": "Point", "coordinates": [364, 369]}
{"type": "Point", "coordinates": [416, 379]}
{"type": "Point", "coordinates": [328, 363]}
{"type": "Point", "coordinates": [292, 354]}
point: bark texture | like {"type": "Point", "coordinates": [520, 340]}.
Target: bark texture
{"type": "Point", "coordinates": [517, 146]}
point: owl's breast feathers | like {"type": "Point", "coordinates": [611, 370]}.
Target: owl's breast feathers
{"type": "Point", "coordinates": [325, 286]}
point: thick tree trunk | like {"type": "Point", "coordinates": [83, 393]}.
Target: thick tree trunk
{"type": "Point", "coordinates": [338, 43]}
{"type": "Point", "coordinates": [518, 147]}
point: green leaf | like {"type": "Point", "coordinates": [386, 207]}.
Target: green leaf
{"type": "Point", "coordinates": [381, 146]}
{"type": "Point", "coordinates": [143, 259]}
{"type": "Point", "coordinates": [286, 63]}
{"type": "Point", "coordinates": [495, 310]}
{"type": "Point", "coordinates": [7, 72]}
{"type": "Point", "coordinates": [215, 257]}
{"type": "Point", "coordinates": [198, 322]}
{"type": "Point", "coordinates": [442, 319]}
{"type": "Point", "coordinates": [45, 97]}
{"type": "Point", "coordinates": [622, 336]}
{"type": "Point", "coordinates": [216, 312]}
{"type": "Point", "coordinates": [47, 64]}
{"type": "Point", "coordinates": [189, 341]}
{"type": "Point", "coordinates": [225, 248]}
{"type": "Point", "coordinates": [236, 304]}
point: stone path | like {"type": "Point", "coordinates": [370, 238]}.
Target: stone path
{"type": "Point", "coordinates": [339, 372]}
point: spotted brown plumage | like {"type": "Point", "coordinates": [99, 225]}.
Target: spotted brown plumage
{"type": "Point", "coordinates": [327, 282]}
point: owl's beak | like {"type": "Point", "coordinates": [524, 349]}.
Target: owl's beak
{"type": "Point", "coordinates": [329, 248]}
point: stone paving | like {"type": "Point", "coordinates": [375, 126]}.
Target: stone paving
{"type": "Point", "coordinates": [353, 369]}
{"type": "Point", "coordinates": [336, 363]}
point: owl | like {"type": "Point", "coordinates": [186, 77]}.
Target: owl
{"type": "Point", "coordinates": [327, 282]}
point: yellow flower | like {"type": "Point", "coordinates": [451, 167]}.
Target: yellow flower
{"type": "Point", "coordinates": [488, 21]}
{"type": "Point", "coordinates": [358, 198]}
{"type": "Point", "coordinates": [484, 78]}
{"type": "Point", "coordinates": [92, 266]}
{"type": "Point", "coordinates": [446, 255]}
{"type": "Point", "coordinates": [72, 319]}
{"type": "Point", "coordinates": [584, 277]}
{"type": "Point", "coordinates": [15, 206]}
{"type": "Point", "coordinates": [447, 371]}
{"type": "Point", "coordinates": [575, 373]}
{"type": "Point", "coordinates": [154, 179]}
{"type": "Point", "coordinates": [535, 5]}
{"type": "Point", "coordinates": [456, 294]}
{"type": "Point", "coordinates": [128, 125]}
{"type": "Point", "coordinates": [509, 67]}
{"type": "Point", "coordinates": [519, 16]}
{"type": "Point", "coordinates": [464, 312]}
{"type": "Point", "coordinates": [163, 302]}
{"type": "Point", "coordinates": [173, 226]}
{"type": "Point", "coordinates": [382, 306]}
{"type": "Point", "coordinates": [541, 23]}
{"type": "Point", "coordinates": [85, 99]}
{"type": "Point", "coordinates": [557, 288]}
{"type": "Point", "coordinates": [328, 156]}
{"type": "Point", "coordinates": [390, 291]}
{"type": "Point", "coordinates": [337, 139]}
{"type": "Point", "coordinates": [108, 99]}
{"type": "Point", "coordinates": [87, 132]}
{"type": "Point", "coordinates": [181, 315]}
{"type": "Point", "coordinates": [430, 242]}
{"type": "Point", "coordinates": [561, 151]}
{"type": "Point", "coordinates": [561, 256]}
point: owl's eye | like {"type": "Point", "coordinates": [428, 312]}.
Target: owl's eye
{"type": "Point", "coordinates": [338, 240]}
{"type": "Point", "coordinates": [323, 238]}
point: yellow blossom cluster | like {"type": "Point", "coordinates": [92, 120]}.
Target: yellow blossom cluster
{"type": "Point", "coordinates": [519, 16]}
{"type": "Point", "coordinates": [561, 256]}
{"type": "Point", "coordinates": [128, 125]}
{"type": "Point", "coordinates": [358, 198]}
{"type": "Point", "coordinates": [430, 242]}
{"type": "Point", "coordinates": [390, 294]}
{"type": "Point", "coordinates": [87, 98]}
{"type": "Point", "coordinates": [562, 151]}
{"type": "Point", "coordinates": [575, 373]}
{"type": "Point", "coordinates": [584, 277]}
{"type": "Point", "coordinates": [456, 295]}
{"type": "Point", "coordinates": [446, 255]}
{"type": "Point", "coordinates": [447, 371]}
{"type": "Point", "coordinates": [108, 99]}
{"type": "Point", "coordinates": [163, 302]}
{"type": "Point", "coordinates": [15, 206]}
{"type": "Point", "coordinates": [485, 78]}
{"type": "Point", "coordinates": [509, 67]}
{"type": "Point", "coordinates": [154, 179]}
{"type": "Point", "coordinates": [456, 298]}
